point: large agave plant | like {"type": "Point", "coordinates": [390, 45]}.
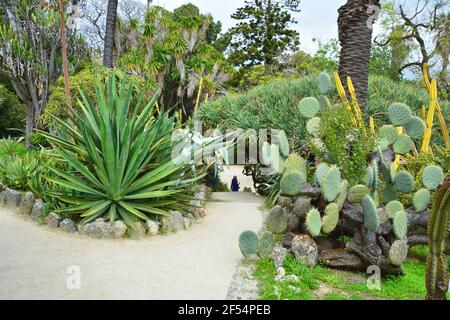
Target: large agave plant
{"type": "Point", "coordinates": [120, 152]}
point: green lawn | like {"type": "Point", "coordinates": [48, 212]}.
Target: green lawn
{"type": "Point", "coordinates": [328, 284]}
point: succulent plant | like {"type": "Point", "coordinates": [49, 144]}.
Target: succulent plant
{"type": "Point", "coordinates": [291, 182]}
{"type": "Point", "coordinates": [324, 82]}
{"type": "Point", "coordinates": [324, 102]}
{"type": "Point", "coordinates": [309, 107]}
{"type": "Point", "coordinates": [404, 182]}
{"type": "Point", "coordinates": [276, 220]}
{"type": "Point", "coordinates": [313, 127]}
{"type": "Point", "coordinates": [283, 143]}
{"type": "Point", "coordinates": [393, 207]}
{"type": "Point", "coordinates": [398, 252]}
{"type": "Point", "coordinates": [421, 200]}
{"type": "Point", "coordinates": [331, 218]}
{"type": "Point", "coordinates": [343, 193]}
{"type": "Point", "coordinates": [400, 224]}
{"type": "Point", "coordinates": [389, 133]}
{"type": "Point", "coordinates": [403, 144]}
{"type": "Point", "coordinates": [399, 114]}
{"type": "Point", "coordinates": [357, 193]}
{"type": "Point", "coordinates": [313, 222]}
{"type": "Point", "coordinates": [432, 177]}
{"type": "Point", "coordinates": [437, 267]}
{"type": "Point", "coordinates": [321, 171]}
{"type": "Point", "coordinates": [266, 244]}
{"type": "Point", "coordinates": [248, 243]}
{"type": "Point", "coordinates": [374, 182]}
{"type": "Point", "coordinates": [295, 162]}
{"type": "Point", "coordinates": [331, 183]}
{"type": "Point", "coordinates": [389, 193]}
{"type": "Point", "coordinates": [370, 213]}
{"type": "Point", "coordinates": [385, 172]}
{"type": "Point", "coordinates": [415, 128]}
{"type": "Point", "coordinates": [382, 143]}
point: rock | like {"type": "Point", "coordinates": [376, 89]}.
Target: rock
{"type": "Point", "coordinates": [243, 284]}
{"type": "Point", "coordinates": [187, 223]}
{"type": "Point", "coordinates": [138, 232]}
{"type": "Point", "coordinates": [119, 229]}
{"type": "Point", "coordinates": [341, 258]}
{"type": "Point", "coordinates": [203, 188]}
{"type": "Point", "coordinates": [27, 203]}
{"type": "Point", "coordinates": [358, 279]}
{"type": "Point", "coordinates": [2, 187]}
{"type": "Point", "coordinates": [2, 198]}
{"type": "Point", "coordinates": [354, 212]}
{"type": "Point", "coordinates": [173, 223]}
{"type": "Point", "coordinates": [305, 249]}
{"type": "Point", "coordinates": [307, 190]}
{"type": "Point", "coordinates": [201, 196]}
{"type": "Point", "coordinates": [202, 213]}
{"type": "Point", "coordinates": [285, 202]}
{"type": "Point", "coordinates": [100, 220]}
{"type": "Point", "coordinates": [279, 253]}
{"type": "Point", "coordinates": [152, 227]}
{"type": "Point", "coordinates": [104, 230]}
{"type": "Point", "coordinates": [293, 222]}
{"type": "Point", "coordinates": [324, 243]}
{"type": "Point", "coordinates": [36, 211]}
{"type": "Point", "coordinates": [302, 206]}
{"type": "Point", "coordinates": [12, 199]}
{"type": "Point", "coordinates": [67, 225]}
{"type": "Point", "coordinates": [53, 220]}
{"type": "Point", "coordinates": [286, 240]}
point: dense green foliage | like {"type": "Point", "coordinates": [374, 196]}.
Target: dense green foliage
{"type": "Point", "coordinates": [12, 113]}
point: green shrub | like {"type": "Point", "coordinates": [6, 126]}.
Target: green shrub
{"type": "Point", "coordinates": [12, 114]}
{"type": "Point", "coordinates": [121, 157]}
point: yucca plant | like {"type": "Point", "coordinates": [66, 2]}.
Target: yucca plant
{"type": "Point", "coordinates": [121, 155]}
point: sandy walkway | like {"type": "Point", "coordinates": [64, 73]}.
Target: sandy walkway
{"type": "Point", "coordinates": [197, 264]}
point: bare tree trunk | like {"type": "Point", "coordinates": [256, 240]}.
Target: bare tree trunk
{"type": "Point", "coordinates": [355, 35]}
{"type": "Point", "coordinates": [111, 19]}
{"type": "Point", "coordinates": [29, 124]}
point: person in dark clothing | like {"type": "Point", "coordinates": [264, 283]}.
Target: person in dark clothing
{"type": "Point", "coordinates": [235, 185]}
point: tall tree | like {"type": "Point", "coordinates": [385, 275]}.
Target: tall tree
{"type": "Point", "coordinates": [110, 35]}
{"type": "Point", "coordinates": [355, 35]}
{"type": "Point", "coordinates": [263, 32]}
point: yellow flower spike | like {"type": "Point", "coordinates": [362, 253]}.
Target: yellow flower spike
{"type": "Point", "coordinates": [425, 77]}
{"type": "Point", "coordinates": [372, 125]}
{"type": "Point", "coordinates": [433, 91]}
{"type": "Point", "coordinates": [340, 87]}
{"type": "Point", "coordinates": [397, 162]}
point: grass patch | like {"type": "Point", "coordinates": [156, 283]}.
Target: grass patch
{"type": "Point", "coordinates": [411, 286]}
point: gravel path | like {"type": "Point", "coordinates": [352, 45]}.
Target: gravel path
{"type": "Point", "coordinates": [196, 264]}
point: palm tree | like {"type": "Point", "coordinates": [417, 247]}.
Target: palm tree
{"type": "Point", "coordinates": [355, 35]}
{"type": "Point", "coordinates": [111, 21]}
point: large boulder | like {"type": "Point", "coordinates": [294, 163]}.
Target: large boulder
{"type": "Point", "coordinates": [307, 190]}
{"type": "Point", "coordinates": [27, 203]}
{"type": "Point", "coordinates": [174, 222]}
{"type": "Point", "coordinates": [302, 206]}
{"type": "Point", "coordinates": [305, 249]}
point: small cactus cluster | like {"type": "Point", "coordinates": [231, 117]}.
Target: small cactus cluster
{"type": "Point", "coordinates": [250, 244]}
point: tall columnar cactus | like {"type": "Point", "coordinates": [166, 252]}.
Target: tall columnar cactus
{"type": "Point", "coordinates": [438, 224]}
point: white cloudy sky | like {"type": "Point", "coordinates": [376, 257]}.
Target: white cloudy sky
{"type": "Point", "coordinates": [318, 18]}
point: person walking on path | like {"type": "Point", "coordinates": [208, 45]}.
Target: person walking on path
{"type": "Point", "coordinates": [235, 185]}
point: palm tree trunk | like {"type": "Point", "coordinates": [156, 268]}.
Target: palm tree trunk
{"type": "Point", "coordinates": [111, 18]}
{"type": "Point", "coordinates": [355, 36]}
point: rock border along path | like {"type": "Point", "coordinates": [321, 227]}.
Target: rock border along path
{"type": "Point", "coordinates": [36, 262]}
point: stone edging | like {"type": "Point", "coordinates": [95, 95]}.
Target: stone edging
{"type": "Point", "coordinates": [26, 204]}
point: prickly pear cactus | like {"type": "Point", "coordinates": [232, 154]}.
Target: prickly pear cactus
{"type": "Point", "coordinates": [313, 127]}
{"type": "Point", "coordinates": [248, 243]}
{"type": "Point", "coordinates": [324, 82]}
{"type": "Point", "coordinates": [370, 214]}
{"type": "Point", "coordinates": [399, 114]}
{"type": "Point", "coordinates": [421, 200]}
{"type": "Point", "coordinates": [389, 133]}
{"type": "Point", "coordinates": [398, 252]}
{"type": "Point", "coordinates": [389, 193]}
{"type": "Point", "coordinates": [343, 193]}
{"type": "Point", "coordinates": [291, 182]}
{"type": "Point", "coordinates": [283, 143]}
{"type": "Point", "coordinates": [313, 222]}
{"type": "Point", "coordinates": [297, 163]}
{"type": "Point", "coordinates": [400, 224]}
{"type": "Point", "coordinates": [415, 128]}
{"type": "Point", "coordinates": [357, 193]}
{"type": "Point", "coordinates": [276, 220]}
{"type": "Point", "coordinates": [403, 144]}
{"type": "Point", "coordinates": [393, 207]}
{"type": "Point", "coordinates": [331, 218]}
{"type": "Point", "coordinates": [309, 107]}
{"type": "Point", "coordinates": [404, 182]}
{"type": "Point", "coordinates": [266, 244]}
{"type": "Point", "coordinates": [331, 183]}
{"type": "Point", "coordinates": [432, 177]}
{"type": "Point", "coordinates": [321, 171]}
